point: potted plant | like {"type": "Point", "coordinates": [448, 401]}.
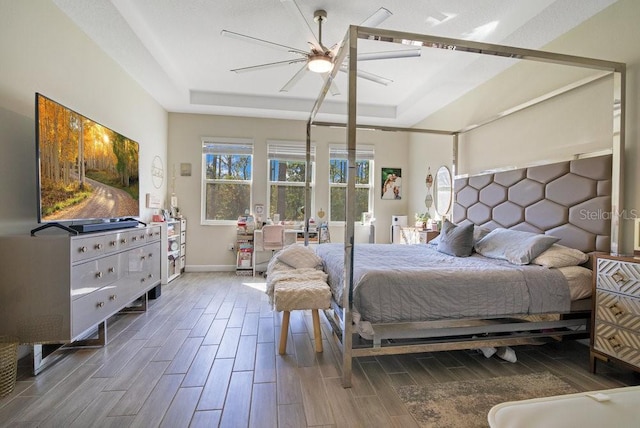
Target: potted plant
{"type": "Point", "coordinates": [422, 219]}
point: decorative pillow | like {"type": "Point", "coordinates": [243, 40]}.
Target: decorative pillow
{"type": "Point", "coordinates": [515, 246]}
{"type": "Point", "coordinates": [456, 240]}
{"type": "Point", "coordinates": [579, 280]}
{"type": "Point", "coordinates": [479, 232]}
{"type": "Point", "coordinates": [558, 256]}
{"type": "Point", "coordinates": [299, 256]}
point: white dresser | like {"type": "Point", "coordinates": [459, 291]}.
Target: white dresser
{"type": "Point", "coordinates": [58, 288]}
{"type": "Point", "coordinates": [615, 334]}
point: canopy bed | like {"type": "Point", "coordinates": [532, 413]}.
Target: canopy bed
{"type": "Point", "coordinates": [496, 201]}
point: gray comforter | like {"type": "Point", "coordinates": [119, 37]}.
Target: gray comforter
{"type": "Point", "coordinates": [396, 283]}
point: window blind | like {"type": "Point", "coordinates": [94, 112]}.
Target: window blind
{"type": "Point", "coordinates": [363, 152]}
{"type": "Point", "coordinates": [289, 151]}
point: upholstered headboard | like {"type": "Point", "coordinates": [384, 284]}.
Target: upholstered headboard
{"type": "Point", "coordinates": [570, 200]}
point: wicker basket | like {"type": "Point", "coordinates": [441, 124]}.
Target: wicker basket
{"type": "Point", "coordinates": [8, 364]}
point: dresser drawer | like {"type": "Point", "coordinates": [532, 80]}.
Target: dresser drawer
{"type": "Point", "coordinates": [618, 276]}
{"type": "Point", "coordinates": [90, 276]}
{"type": "Point", "coordinates": [618, 309]}
{"type": "Point", "coordinates": [88, 247]}
{"type": "Point", "coordinates": [93, 308]}
{"type": "Point", "coordinates": [617, 342]}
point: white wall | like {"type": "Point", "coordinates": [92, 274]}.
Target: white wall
{"type": "Point", "coordinates": [43, 51]}
{"type": "Point", "coordinates": [577, 123]}
{"type": "Point", "coordinates": [207, 245]}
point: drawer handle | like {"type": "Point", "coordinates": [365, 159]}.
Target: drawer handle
{"type": "Point", "coordinates": [150, 255]}
{"type": "Point", "coordinates": [619, 277]}
{"type": "Point", "coordinates": [113, 297]}
{"type": "Point", "coordinates": [141, 236]}
{"type": "Point", "coordinates": [112, 243]}
{"type": "Point", "coordinates": [134, 238]}
{"type": "Point", "coordinates": [111, 270]}
{"type": "Point", "coordinates": [98, 246]}
{"type": "Point", "coordinates": [143, 257]}
{"type": "Point", "coordinates": [617, 311]}
{"type": "Point", "coordinates": [150, 276]}
{"type": "Point", "coordinates": [614, 342]}
{"type": "Point", "coordinates": [100, 304]}
{"type": "Point", "coordinates": [98, 274]}
{"type": "Point", "coordinates": [82, 249]}
{"type": "Point", "coordinates": [123, 241]}
{"type": "Point", "coordinates": [143, 280]}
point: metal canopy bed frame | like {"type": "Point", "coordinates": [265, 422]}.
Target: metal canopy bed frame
{"type": "Point", "coordinates": [455, 334]}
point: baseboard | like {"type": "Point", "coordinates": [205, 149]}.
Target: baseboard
{"type": "Point", "coordinates": [210, 268]}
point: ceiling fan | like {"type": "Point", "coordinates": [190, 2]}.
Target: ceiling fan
{"type": "Point", "coordinates": [321, 59]}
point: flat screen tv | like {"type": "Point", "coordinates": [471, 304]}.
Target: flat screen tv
{"type": "Point", "coordinates": [87, 173]}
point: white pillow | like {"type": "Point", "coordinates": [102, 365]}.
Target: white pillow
{"type": "Point", "coordinates": [558, 256]}
{"type": "Point", "coordinates": [299, 256]}
{"type": "Point", "coordinates": [579, 280]}
{"type": "Point", "coordinates": [514, 246]}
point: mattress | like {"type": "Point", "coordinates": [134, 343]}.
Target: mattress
{"type": "Point", "coordinates": [402, 283]}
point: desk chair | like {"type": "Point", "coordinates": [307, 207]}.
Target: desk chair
{"type": "Point", "coordinates": [272, 238]}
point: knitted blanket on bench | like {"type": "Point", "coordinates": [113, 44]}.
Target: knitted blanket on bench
{"type": "Point", "coordinates": [303, 277]}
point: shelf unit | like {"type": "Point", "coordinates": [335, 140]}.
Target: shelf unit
{"type": "Point", "coordinates": [244, 253]}
{"type": "Point", "coordinates": [174, 240]}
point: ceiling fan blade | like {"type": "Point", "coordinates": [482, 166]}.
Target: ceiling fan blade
{"type": "Point", "coordinates": [294, 9]}
{"type": "Point", "coordinates": [377, 18]}
{"type": "Point", "coordinates": [296, 77]}
{"type": "Point", "coordinates": [262, 42]}
{"type": "Point", "coordinates": [333, 88]}
{"type": "Point", "coordinates": [369, 76]}
{"type": "Point", "coordinates": [269, 65]}
{"type": "Point", "coordinates": [407, 53]}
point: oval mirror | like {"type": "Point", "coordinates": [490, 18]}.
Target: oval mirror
{"type": "Point", "coordinates": [442, 190]}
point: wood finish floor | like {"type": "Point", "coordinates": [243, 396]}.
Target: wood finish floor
{"type": "Point", "coordinates": [205, 355]}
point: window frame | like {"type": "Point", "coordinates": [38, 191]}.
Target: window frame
{"type": "Point", "coordinates": [242, 144]}
{"type": "Point", "coordinates": [364, 152]}
{"type": "Point", "coordinates": [289, 151]}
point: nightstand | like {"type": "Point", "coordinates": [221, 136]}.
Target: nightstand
{"type": "Point", "coordinates": [615, 329]}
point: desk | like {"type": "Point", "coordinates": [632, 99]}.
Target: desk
{"type": "Point", "coordinates": [291, 236]}
{"type": "Point", "coordinates": [414, 235]}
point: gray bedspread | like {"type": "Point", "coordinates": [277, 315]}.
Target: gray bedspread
{"type": "Point", "coordinates": [398, 283]}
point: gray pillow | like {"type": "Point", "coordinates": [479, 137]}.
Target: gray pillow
{"type": "Point", "coordinates": [515, 246]}
{"type": "Point", "coordinates": [456, 240]}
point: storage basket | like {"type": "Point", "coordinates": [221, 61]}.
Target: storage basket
{"type": "Point", "coordinates": [8, 364]}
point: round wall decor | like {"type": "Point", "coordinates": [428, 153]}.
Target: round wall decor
{"type": "Point", "coordinates": [157, 172]}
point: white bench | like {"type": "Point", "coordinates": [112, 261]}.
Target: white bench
{"type": "Point", "coordinates": [301, 295]}
{"type": "Point", "coordinates": [617, 407]}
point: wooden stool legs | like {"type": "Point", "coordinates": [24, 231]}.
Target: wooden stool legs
{"type": "Point", "coordinates": [316, 330]}
{"type": "Point", "coordinates": [284, 331]}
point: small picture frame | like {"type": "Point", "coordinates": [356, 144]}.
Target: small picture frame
{"type": "Point", "coordinates": [185, 169]}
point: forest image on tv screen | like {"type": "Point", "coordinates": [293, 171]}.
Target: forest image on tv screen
{"type": "Point", "coordinates": [87, 171]}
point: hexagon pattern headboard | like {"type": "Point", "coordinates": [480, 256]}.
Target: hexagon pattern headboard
{"type": "Point", "coordinates": [570, 200]}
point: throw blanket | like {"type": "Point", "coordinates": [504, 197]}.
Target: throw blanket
{"type": "Point", "coordinates": [281, 272]}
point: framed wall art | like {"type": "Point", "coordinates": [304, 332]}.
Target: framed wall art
{"type": "Point", "coordinates": [391, 181]}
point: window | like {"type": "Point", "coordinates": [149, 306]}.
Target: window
{"type": "Point", "coordinates": [338, 181]}
{"type": "Point", "coordinates": [287, 168]}
{"type": "Point", "coordinates": [227, 166]}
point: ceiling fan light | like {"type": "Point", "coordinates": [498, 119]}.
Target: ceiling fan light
{"type": "Point", "coordinates": [320, 63]}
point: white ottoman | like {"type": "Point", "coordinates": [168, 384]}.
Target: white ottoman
{"type": "Point", "coordinates": [619, 408]}
{"type": "Point", "coordinates": [295, 295]}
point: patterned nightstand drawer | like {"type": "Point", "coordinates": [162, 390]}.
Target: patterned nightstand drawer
{"type": "Point", "coordinates": [618, 309]}
{"type": "Point", "coordinates": [617, 342]}
{"type": "Point", "coordinates": [619, 276]}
